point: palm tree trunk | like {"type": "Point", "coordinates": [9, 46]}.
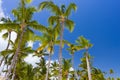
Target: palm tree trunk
{"type": "Point", "coordinates": [88, 66]}
{"type": "Point", "coordinates": [73, 60]}
{"type": "Point", "coordinates": [15, 57]}
{"type": "Point", "coordinates": [46, 78]}
{"type": "Point", "coordinates": [14, 70]}
{"type": "Point", "coordinates": [60, 51]}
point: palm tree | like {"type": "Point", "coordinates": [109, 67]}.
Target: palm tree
{"type": "Point", "coordinates": [66, 68]}
{"type": "Point", "coordinates": [97, 74]}
{"type": "Point", "coordinates": [83, 71]}
{"type": "Point", "coordinates": [83, 42]}
{"type": "Point", "coordinates": [110, 72]}
{"type": "Point", "coordinates": [41, 69]}
{"type": "Point", "coordinates": [55, 69]}
{"type": "Point", "coordinates": [10, 52]}
{"type": "Point", "coordinates": [61, 17]}
{"type": "Point", "coordinates": [72, 49]}
{"type": "Point", "coordinates": [23, 22]}
{"type": "Point", "coordinates": [48, 40]}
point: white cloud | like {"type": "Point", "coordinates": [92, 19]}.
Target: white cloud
{"type": "Point", "coordinates": [71, 69]}
{"type": "Point", "coordinates": [30, 44]}
{"type": "Point", "coordinates": [32, 59]}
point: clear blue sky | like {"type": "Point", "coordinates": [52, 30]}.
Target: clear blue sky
{"type": "Point", "coordinates": [97, 20]}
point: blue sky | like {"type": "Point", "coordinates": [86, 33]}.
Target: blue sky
{"type": "Point", "coordinates": [97, 20]}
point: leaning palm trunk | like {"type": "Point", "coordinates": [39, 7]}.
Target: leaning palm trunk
{"type": "Point", "coordinates": [15, 57]}
{"type": "Point", "coordinates": [48, 68]}
{"type": "Point", "coordinates": [60, 51]}
{"type": "Point", "coordinates": [88, 66]}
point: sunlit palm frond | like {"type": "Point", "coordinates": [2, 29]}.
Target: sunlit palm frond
{"type": "Point", "coordinates": [6, 52]}
{"type": "Point", "coordinates": [37, 26]}
{"type": "Point", "coordinates": [56, 31]}
{"type": "Point", "coordinates": [28, 1]}
{"type": "Point", "coordinates": [41, 47]}
{"type": "Point", "coordinates": [51, 6]}
{"type": "Point", "coordinates": [9, 26]}
{"type": "Point", "coordinates": [71, 7]}
{"type": "Point", "coordinates": [53, 20]}
{"type": "Point", "coordinates": [69, 24]}
{"type": "Point", "coordinates": [5, 35]}
{"type": "Point", "coordinates": [83, 42]}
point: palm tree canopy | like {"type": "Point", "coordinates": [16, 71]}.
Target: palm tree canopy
{"type": "Point", "coordinates": [9, 25]}
{"type": "Point", "coordinates": [73, 48]}
{"type": "Point", "coordinates": [61, 13]}
{"type": "Point", "coordinates": [48, 39]}
{"type": "Point", "coordinates": [83, 42]}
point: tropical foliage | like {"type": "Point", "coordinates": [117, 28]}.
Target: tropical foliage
{"type": "Point", "coordinates": [12, 59]}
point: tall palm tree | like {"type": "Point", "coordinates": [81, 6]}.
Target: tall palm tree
{"type": "Point", "coordinates": [72, 49]}
{"type": "Point", "coordinates": [23, 22]}
{"type": "Point", "coordinates": [48, 40]}
{"type": "Point", "coordinates": [61, 17]}
{"type": "Point", "coordinates": [83, 42]}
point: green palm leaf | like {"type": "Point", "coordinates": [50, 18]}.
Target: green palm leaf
{"type": "Point", "coordinates": [5, 35]}
{"type": "Point", "coordinates": [69, 24]}
{"type": "Point", "coordinates": [51, 6]}
{"type": "Point", "coordinates": [71, 7]}
{"type": "Point", "coordinates": [37, 26]}
{"type": "Point", "coordinates": [53, 19]}
{"type": "Point", "coordinates": [9, 26]}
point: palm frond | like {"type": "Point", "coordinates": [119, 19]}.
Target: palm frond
{"type": "Point", "coordinates": [53, 19]}
{"type": "Point", "coordinates": [83, 42]}
{"type": "Point", "coordinates": [71, 7]}
{"type": "Point", "coordinates": [63, 42]}
{"type": "Point", "coordinates": [56, 31]}
{"type": "Point", "coordinates": [28, 1]}
{"type": "Point", "coordinates": [50, 6]}
{"type": "Point", "coordinates": [9, 26]}
{"type": "Point", "coordinates": [5, 35]}
{"type": "Point", "coordinates": [6, 52]}
{"type": "Point", "coordinates": [37, 26]}
{"type": "Point", "coordinates": [69, 24]}
{"type": "Point", "coordinates": [41, 47]}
